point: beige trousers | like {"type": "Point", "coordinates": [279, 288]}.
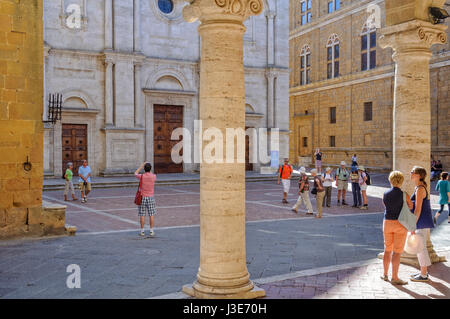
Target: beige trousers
{"type": "Point", "coordinates": [305, 198]}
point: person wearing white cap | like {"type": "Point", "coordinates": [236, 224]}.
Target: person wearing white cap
{"type": "Point", "coordinates": [363, 186]}
{"type": "Point", "coordinates": [303, 192]}
{"type": "Point", "coordinates": [342, 176]}
{"type": "Point", "coordinates": [328, 184]}
{"type": "Point", "coordinates": [284, 175]}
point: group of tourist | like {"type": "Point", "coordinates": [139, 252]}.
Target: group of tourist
{"type": "Point", "coordinates": [395, 233]}
{"type": "Point", "coordinates": [323, 185]}
{"type": "Point", "coordinates": [436, 169]}
{"type": "Point", "coordinates": [84, 176]}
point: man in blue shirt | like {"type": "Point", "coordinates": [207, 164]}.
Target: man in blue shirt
{"type": "Point", "coordinates": [84, 173]}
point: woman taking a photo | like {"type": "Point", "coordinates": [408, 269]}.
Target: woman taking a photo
{"type": "Point", "coordinates": [422, 210]}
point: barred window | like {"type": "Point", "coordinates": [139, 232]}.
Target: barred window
{"type": "Point", "coordinates": [305, 65]}
{"type": "Point", "coordinates": [368, 111]}
{"type": "Point", "coordinates": [368, 48]}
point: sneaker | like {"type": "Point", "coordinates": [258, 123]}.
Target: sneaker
{"type": "Point", "coordinates": [85, 199]}
{"type": "Point", "coordinates": [344, 203]}
{"type": "Point", "coordinates": [364, 207]}
{"type": "Point", "coordinates": [294, 210]}
{"type": "Point", "coordinates": [309, 213]}
{"type": "Point", "coordinates": [142, 233]}
{"type": "Point", "coordinates": [354, 205]}
{"type": "Point", "coordinates": [152, 233]}
{"type": "Point", "coordinates": [419, 278]}
{"type": "Point", "coordinates": [339, 202]}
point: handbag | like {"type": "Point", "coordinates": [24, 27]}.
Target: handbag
{"type": "Point", "coordinates": [413, 244]}
{"type": "Point", "coordinates": [138, 198]}
{"type": "Point", "coordinates": [314, 191]}
{"type": "Point", "coordinates": [406, 217]}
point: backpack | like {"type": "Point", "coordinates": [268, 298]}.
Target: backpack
{"type": "Point", "coordinates": [368, 181]}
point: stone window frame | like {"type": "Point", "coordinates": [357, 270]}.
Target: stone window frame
{"type": "Point", "coordinates": [333, 115]}
{"type": "Point", "coordinates": [306, 13]}
{"type": "Point", "coordinates": [370, 35]}
{"type": "Point", "coordinates": [332, 141]}
{"type": "Point", "coordinates": [368, 112]}
{"type": "Point", "coordinates": [336, 5]}
{"type": "Point", "coordinates": [305, 65]}
{"type": "Point", "coordinates": [333, 56]}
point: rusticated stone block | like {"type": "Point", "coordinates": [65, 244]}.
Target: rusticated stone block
{"type": "Point", "coordinates": [16, 216]}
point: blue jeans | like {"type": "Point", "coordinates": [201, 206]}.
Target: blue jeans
{"type": "Point", "coordinates": [356, 190]}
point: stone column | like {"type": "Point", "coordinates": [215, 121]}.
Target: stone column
{"type": "Point", "coordinates": [138, 108]}
{"type": "Point", "coordinates": [137, 25]}
{"type": "Point", "coordinates": [270, 38]}
{"type": "Point", "coordinates": [223, 270]}
{"type": "Point", "coordinates": [109, 94]}
{"type": "Point", "coordinates": [108, 25]}
{"type": "Point", "coordinates": [411, 42]}
{"type": "Point", "coordinates": [270, 98]}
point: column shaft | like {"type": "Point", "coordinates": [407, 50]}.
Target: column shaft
{"type": "Point", "coordinates": [109, 99]}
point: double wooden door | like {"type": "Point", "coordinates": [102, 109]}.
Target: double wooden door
{"type": "Point", "coordinates": [74, 145]}
{"type": "Point", "coordinates": [167, 118]}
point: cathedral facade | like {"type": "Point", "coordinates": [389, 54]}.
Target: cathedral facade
{"type": "Point", "coordinates": [128, 72]}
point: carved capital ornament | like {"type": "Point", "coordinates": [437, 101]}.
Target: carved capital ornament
{"type": "Point", "coordinates": [221, 10]}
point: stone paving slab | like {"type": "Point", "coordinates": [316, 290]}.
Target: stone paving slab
{"type": "Point", "coordinates": [360, 282]}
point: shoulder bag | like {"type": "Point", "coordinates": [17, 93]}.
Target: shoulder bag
{"type": "Point", "coordinates": [406, 217]}
{"type": "Point", "coordinates": [138, 198]}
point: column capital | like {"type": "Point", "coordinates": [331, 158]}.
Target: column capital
{"type": "Point", "coordinates": [209, 11]}
{"type": "Point", "coordinates": [271, 14]}
{"type": "Point", "coordinates": [413, 35]}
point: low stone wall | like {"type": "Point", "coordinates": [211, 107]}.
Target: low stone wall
{"type": "Point", "coordinates": [48, 220]}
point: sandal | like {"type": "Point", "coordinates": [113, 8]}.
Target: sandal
{"type": "Point", "coordinates": [384, 277]}
{"type": "Point", "coordinates": [399, 282]}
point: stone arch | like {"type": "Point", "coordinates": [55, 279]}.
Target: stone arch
{"type": "Point", "coordinates": [306, 49]}
{"type": "Point", "coordinates": [168, 75]}
{"type": "Point", "coordinates": [249, 108]}
{"type": "Point", "coordinates": [333, 39]}
{"type": "Point", "coordinates": [77, 97]}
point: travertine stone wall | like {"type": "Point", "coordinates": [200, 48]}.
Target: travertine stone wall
{"type": "Point", "coordinates": [370, 140]}
{"type": "Point", "coordinates": [21, 127]}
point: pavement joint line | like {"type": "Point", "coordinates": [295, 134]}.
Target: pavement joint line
{"type": "Point", "coordinates": [197, 225]}
{"type": "Point", "coordinates": [95, 211]}
{"type": "Point", "coordinates": [135, 208]}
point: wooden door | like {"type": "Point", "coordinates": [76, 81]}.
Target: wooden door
{"type": "Point", "coordinates": [167, 118]}
{"type": "Point", "coordinates": [74, 145]}
{"type": "Point", "coordinates": [248, 165]}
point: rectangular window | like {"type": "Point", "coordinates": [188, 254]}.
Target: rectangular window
{"type": "Point", "coordinates": [332, 115]}
{"type": "Point", "coordinates": [302, 77]}
{"type": "Point", "coordinates": [336, 51]}
{"type": "Point", "coordinates": [364, 42]}
{"type": "Point", "coordinates": [332, 141]}
{"type": "Point", "coordinates": [368, 111]}
{"type": "Point", "coordinates": [329, 71]}
{"type": "Point", "coordinates": [302, 63]}
{"type": "Point", "coordinates": [337, 5]}
{"type": "Point", "coordinates": [308, 76]}
{"type": "Point", "coordinates": [309, 4]}
{"type": "Point", "coordinates": [330, 6]}
{"type": "Point", "coordinates": [308, 17]}
{"type": "Point", "coordinates": [364, 61]}
{"type": "Point", "coordinates": [305, 142]}
{"type": "Point", "coordinates": [329, 53]}
{"type": "Point", "coordinates": [303, 19]}
{"type": "Point", "coordinates": [336, 69]}
{"type": "Point", "coordinates": [373, 40]}
{"type": "Point", "coordinates": [373, 59]}
{"type": "Point", "coordinates": [303, 6]}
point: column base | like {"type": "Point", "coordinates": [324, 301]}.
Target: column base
{"type": "Point", "coordinates": [411, 260]}
{"type": "Point", "coordinates": [199, 291]}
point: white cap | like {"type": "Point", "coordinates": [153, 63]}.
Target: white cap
{"type": "Point", "coordinates": [302, 169]}
{"type": "Point", "coordinates": [313, 171]}
{"type": "Point", "coordinates": [343, 163]}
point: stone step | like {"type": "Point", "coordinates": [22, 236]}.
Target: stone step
{"type": "Point", "coordinates": [173, 182]}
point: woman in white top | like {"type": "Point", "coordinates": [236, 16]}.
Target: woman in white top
{"type": "Point", "coordinates": [327, 180]}
{"type": "Point", "coordinates": [363, 185]}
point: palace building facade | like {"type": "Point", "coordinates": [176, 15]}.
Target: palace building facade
{"type": "Point", "coordinates": [342, 85]}
{"type": "Point", "coordinates": [128, 71]}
